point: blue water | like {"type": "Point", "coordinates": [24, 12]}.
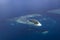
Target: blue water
{"type": "Point", "coordinates": [14, 8]}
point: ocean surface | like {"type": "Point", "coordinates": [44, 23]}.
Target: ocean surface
{"type": "Point", "coordinates": [10, 30]}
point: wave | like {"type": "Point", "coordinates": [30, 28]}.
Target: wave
{"type": "Point", "coordinates": [36, 18]}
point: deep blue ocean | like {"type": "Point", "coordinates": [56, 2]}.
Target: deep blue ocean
{"type": "Point", "coordinates": [14, 8]}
